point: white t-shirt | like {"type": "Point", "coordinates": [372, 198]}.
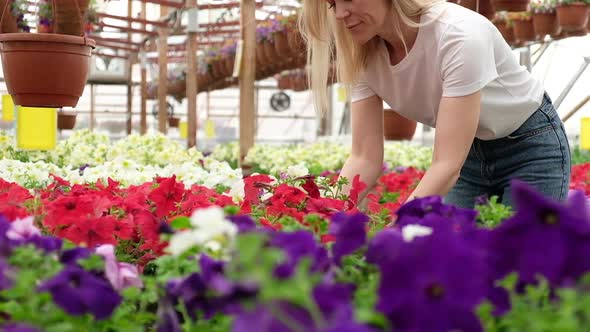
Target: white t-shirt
{"type": "Point", "coordinates": [457, 54]}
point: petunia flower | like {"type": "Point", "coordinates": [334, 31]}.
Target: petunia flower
{"type": "Point", "coordinates": [79, 292]}
{"type": "Point", "coordinates": [121, 275]}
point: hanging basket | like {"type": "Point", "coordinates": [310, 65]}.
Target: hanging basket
{"type": "Point", "coordinates": [173, 122]}
{"type": "Point", "coordinates": [573, 17]}
{"type": "Point", "coordinates": [282, 44]}
{"type": "Point", "coordinates": [9, 24]}
{"type": "Point", "coordinates": [45, 70]}
{"type": "Point", "coordinates": [545, 24]}
{"type": "Point", "coordinates": [69, 16]}
{"type": "Point", "coordinates": [397, 127]}
{"type": "Point", "coordinates": [506, 30]}
{"type": "Point", "coordinates": [523, 30]}
{"type": "Point", "coordinates": [66, 120]}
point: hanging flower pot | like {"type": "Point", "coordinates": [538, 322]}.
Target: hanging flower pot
{"type": "Point", "coordinates": [229, 64]}
{"type": "Point", "coordinates": [507, 31]}
{"type": "Point", "coordinates": [66, 120]}
{"type": "Point", "coordinates": [573, 16]}
{"type": "Point", "coordinates": [510, 5]}
{"type": "Point", "coordinates": [270, 52]}
{"type": "Point", "coordinates": [9, 24]}
{"type": "Point", "coordinates": [173, 122]}
{"type": "Point", "coordinates": [296, 42]}
{"type": "Point", "coordinates": [397, 127]}
{"type": "Point", "coordinates": [282, 44]}
{"type": "Point", "coordinates": [69, 16]}
{"type": "Point", "coordinates": [45, 70]}
{"type": "Point", "coordinates": [523, 28]}
{"type": "Point", "coordinates": [545, 24]}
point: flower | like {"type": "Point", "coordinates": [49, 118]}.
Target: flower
{"type": "Point", "coordinates": [78, 292]}
{"type": "Point", "coordinates": [543, 238]}
{"type": "Point", "coordinates": [212, 230]}
{"type": "Point", "coordinates": [410, 232]}
{"type": "Point", "coordinates": [22, 229]}
{"type": "Point", "coordinates": [296, 171]}
{"type": "Point", "coordinates": [5, 279]}
{"type": "Point", "coordinates": [297, 245]}
{"type": "Point", "coordinates": [349, 232]}
{"type": "Point", "coordinates": [237, 192]}
{"type": "Point", "coordinates": [423, 285]}
{"type": "Point", "coordinates": [121, 275]}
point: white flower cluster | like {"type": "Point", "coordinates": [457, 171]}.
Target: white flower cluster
{"type": "Point", "coordinates": [211, 232]}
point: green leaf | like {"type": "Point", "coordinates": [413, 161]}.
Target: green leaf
{"type": "Point", "coordinates": [181, 223]}
{"type": "Point", "coordinates": [92, 263]}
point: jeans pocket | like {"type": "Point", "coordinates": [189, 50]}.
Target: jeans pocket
{"type": "Point", "coordinates": [524, 133]}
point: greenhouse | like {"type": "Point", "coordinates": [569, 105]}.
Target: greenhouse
{"type": "Point", "coordinates": [295, 165]}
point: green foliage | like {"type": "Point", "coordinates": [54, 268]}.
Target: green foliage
{"type": "Point", "coordinates": [493, 213]}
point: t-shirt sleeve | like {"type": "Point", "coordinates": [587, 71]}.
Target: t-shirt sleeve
{"type": "Point", "coordinates": [467, 59]}
{"type": "Point", "coordinates": [361, 89]}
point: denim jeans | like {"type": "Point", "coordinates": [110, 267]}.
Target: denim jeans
{"type": "Point", "coordinates": [537, 153]}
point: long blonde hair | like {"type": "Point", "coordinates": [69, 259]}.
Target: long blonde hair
{"type": "Point", "coordinates": [328, 42]}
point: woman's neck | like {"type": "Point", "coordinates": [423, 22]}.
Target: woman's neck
{"type": "Point", "coordinates": [394, 40]}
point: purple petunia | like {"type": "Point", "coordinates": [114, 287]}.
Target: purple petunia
{"type": "Point", "coordinates": [244, 223]}
{"type": "Point", "coordinates": [78, 292]}
{"type": "Point", "coordinates": [334, 302]}
{"type": "Point", "coordinates": [296, 246]}
{"type": "Point", "coordinates": [350, 233]}
{"type": "Point", "coordinates": [432, 283]}
{"type": "Point", "coordinates": [543, 238]}
{"type": "Point", "coordinates": [209, 291]}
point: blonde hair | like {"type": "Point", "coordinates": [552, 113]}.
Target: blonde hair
{"type": "Point", "coordinates": [328, 42]}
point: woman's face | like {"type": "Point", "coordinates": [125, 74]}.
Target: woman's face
{"type": "Point", "coordinates": [364, 19]}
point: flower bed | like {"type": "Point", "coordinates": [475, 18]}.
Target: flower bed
{"type": "Point", "coordinates": [436, 270]}
{"type": "Point", "coordinates": [184, 243]}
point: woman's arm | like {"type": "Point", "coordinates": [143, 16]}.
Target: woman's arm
{"type": "Point", "coordinates": [366, 157]}
{"type": "Point", "coordinates": [456, 124]}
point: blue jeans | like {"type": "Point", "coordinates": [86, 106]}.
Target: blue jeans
{"type": "Point", "coordinates": [537, 153]}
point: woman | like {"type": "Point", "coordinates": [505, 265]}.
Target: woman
{"type": "Point", "coordinates": [447, 67]}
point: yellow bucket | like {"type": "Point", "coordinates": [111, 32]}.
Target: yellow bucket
{"type": "Point", "coordinates": [585, 134]}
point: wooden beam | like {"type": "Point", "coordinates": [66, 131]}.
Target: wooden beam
{"type": "Point", "coordinates": [116, 47]}
{"type": "Point", "coordinates": [163, 75]}
{"type": "Point", "coordinates": [143, 108]}
{"type": "Point", "coordinates": [129, 123]}
{"type": "Point", "coordinates": [98, 38]}
{"type": "Point", "coordinates": [132, 19]}
{"type": "Point", "coordinates": [191, 83]}
{"type": "Point", "coordinates": [236, 4]}
{"type": "Point", "coordinates": [127, 29]}
{"type": "Point", "coordinates": [247, 77]}
{"type": "Point", "coordinates": [166, 3]}
{"type": "Point", "coordinates": [118, 56]}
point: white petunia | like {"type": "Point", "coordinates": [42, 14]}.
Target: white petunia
{"type": "Point", "coordinates": [410, 232]}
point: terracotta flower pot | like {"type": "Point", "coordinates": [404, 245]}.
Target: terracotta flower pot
{"type": "Point", "coordinates": [282, 44]}
{"type": "Point", "coordinates": [296, 42]}
{"type": "Point", "coordinates": [270, 52]}
{"type": "Point", "coordinates": [70, 16]}
{"type": "Point", "coordinates": [545, 24]}
{"type": "Point", "coordinates": [510, 5]}
{"type": "Point", "coordinates": [260, 55]}
{"type": "Point", "coordinates": [9, 24]}
{"type": "Point", "coordinates": [524, 30]}
{"type": "Point", "coordinates": [229, 64]}
{"type": "Point", "coordinates": [573, 17]}
{"type": "Point", "coordinates": [397, 127]}
{"type": "Point", "coordinates": [45, 70]}
{"type": "Point", "coordinates": [173, 122]}
{"type": "Point", "coordinates": [506, 31]}
{"type": "Point", "coordinates": [42, 28]}
{"type": "Point", "coordinates": [66, 120]}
